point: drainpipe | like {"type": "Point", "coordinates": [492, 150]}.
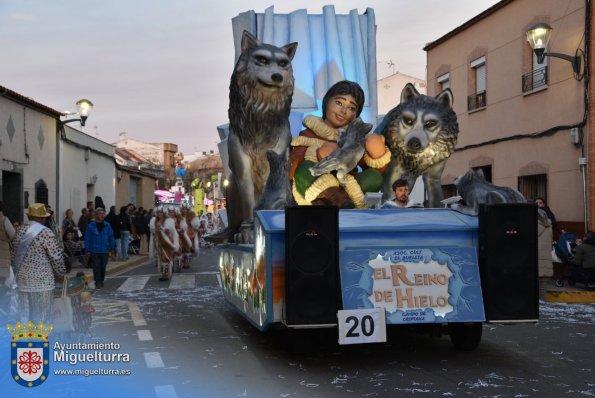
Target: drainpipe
{"type": "Point", "coordinates": [58, 211]}
{"type": "Point", "coordinates": [582, 161]}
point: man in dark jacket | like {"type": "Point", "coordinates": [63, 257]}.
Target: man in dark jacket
{"type": "Point", "coordinates": [125, 230]}
{"type": "Point", "coordinates": [583, 262]}
{"type": "Point", "coordinates": [99, 240]}
{"type": "Point", "coordinates": [83, 220]}
{"type": "Point", "coordinates": [114, 221]}
{"type": "Point", "coordinates": [140, 227]}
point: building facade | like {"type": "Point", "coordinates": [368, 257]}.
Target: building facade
{"type": "Point", "coordinates": [162, 154]}
{"type": "Point", "coordinates": [389, 90]}
{"type": "Point", "coordinates": [87, 170]}
{"type": "Point", "coordinates": [136, 179]}
{"type": "Point", "coordinates": [523, 123]}
{"type": "Point", "coordinates": [28, 152]}
{"type": "Point", "coordinates": [46, 161]}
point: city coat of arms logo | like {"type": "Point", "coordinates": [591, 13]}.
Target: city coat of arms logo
{"type": "Point", "coordinates": [30, 353]}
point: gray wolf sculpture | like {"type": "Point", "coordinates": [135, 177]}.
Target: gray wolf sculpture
{"type": "Point", "coordinates": [475, 190]}
{"type": "Point", "coordinates": [260, 94]}
{"type": "Point", "coordinates": [421, 133]}
{"type": "Point", "coordinates": [350, 149]}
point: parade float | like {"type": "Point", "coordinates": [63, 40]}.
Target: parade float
{"type": "Point", "coordinates": [287, 262]}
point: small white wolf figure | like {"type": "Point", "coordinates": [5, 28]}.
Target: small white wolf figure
{"type": "Point", "coordinates": [475, 190]}
{"type": "Point", "coordinates": [421, 133]}
{"type": "Point", "coordinates": [260, 94]}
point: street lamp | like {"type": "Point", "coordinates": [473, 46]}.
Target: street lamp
{"type": "Point", "coordinates": [538, 36]}
{"type": "Point", "coordinates": [225, 185]}
{"type": "Point", "coordinates": [83, 108]}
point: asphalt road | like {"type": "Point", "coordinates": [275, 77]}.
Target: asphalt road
{"type": "Point", "coordinates": [185, 341]}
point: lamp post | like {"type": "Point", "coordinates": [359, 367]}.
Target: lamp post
{"type": "Point", "coordinates": [83, 109]}
{"type": "Point", "coordinates": [538, 36]}
{"type": "Point", "coordinates": [225, 185]}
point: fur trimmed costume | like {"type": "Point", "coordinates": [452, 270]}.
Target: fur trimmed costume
{"type": "Point", "coordinates": [305, 153]}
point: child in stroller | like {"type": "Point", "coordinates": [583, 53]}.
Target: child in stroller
{"type": "Point", "coordinates": [579, 255]}
{"type": "Point", "coordinates": [73, 250]}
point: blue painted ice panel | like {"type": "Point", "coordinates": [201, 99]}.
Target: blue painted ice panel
{"type": "Point", "coordinates": [374, 220]}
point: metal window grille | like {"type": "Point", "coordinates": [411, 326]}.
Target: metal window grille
{"type": "Point", "coordinates": [535, 79]}
{"type": "Point", "coordinates": [476, 101]}
{"type": "Point", "coordinates": [533, 186]}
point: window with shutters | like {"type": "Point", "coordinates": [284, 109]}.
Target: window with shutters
{"type": "Point", "coordinates": [533, 186]}
{"type": "Point", "coordinates": [444, 81]}
{"type": "Point", "coordinates": [478, 99]}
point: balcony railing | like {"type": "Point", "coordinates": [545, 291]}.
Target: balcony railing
{"type": "Point", "coordinates": [476, 101]}
{"type": "Point", "coordinates": [535, 79]}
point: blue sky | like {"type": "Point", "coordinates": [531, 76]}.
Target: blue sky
{"type": "Point", "coordinates": [159, 70]}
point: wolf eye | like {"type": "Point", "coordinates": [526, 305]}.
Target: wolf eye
{"type": "Point", "coordinates": [262, 60]}
{"type": "Point", "coordinates": [408, 121]}
{"type": "Point", "coordinates": [283, 63]}
{"type": "Point", "coordinates": [430, 124]}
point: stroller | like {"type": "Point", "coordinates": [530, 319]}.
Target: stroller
{"type": "Point", "coordinates": [72, 252]}
{"type": "Point", "coordinates": [564, 249]}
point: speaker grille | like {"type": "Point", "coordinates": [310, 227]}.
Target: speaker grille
{"type": "Point", "coordinates": [508, 261]}
{"type": "Point", "coordinates": [311, 252]}
{"type": "Point", "coordinates": [312, 293]}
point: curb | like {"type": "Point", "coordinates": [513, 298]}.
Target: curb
{"type": "Point", "coordinates": [126, 264]}
{"type": "Point", "coordinates": [570, 296]}
{"type": "Point", "coordinates": [112, 267]}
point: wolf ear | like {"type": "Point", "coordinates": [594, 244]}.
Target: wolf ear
{"type": "Point", "coordinates": [408, 93]}
{"type": "Point", "coordinates": [446, 98]}
{"type": "Point", "coordinates": [290, 50]}
{"type": "Point", "coordinates": [248, 41]}
{"type": "Point", "coordinates": [479, 174]}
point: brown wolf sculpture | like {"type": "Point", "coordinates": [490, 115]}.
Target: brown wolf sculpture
{"type": "Point", "coordinates": [421, 133]}
{"type": "Point", "coordinates": [260, 96]}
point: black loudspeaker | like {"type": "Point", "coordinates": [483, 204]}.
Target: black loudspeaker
{"type": "Point", "coordinates": [312, 293]}
{"type": "Point", "coordinates": [508, 262]}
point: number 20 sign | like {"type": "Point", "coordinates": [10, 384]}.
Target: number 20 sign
{"type": "Point", "coordinates": [362, 326]}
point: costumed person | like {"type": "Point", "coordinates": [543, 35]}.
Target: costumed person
{"type": "Point", "coordinates": [166, 244]}
{"type": "Point", "coordinates": [193, 223]}
{"type": "Point", "coordinates": [342, 103]}
{"type": "Point", "coordinates": [185, 240]}
{"type": "Point", "coordinates": [36, 256]}
{"type": "Point", "coordinates": [152, 237]}
{"type": "Point", "coordinates": [172, 214]}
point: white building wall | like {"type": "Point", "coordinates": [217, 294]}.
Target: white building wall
{"type": "Point", "coordinates": [32, 150]}
{"type": "Point", "coordinates": [390, 87]}
{"type": "Point", "coordinates": [85, 173]}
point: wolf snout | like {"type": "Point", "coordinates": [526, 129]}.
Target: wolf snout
{"type": "Point", "coordinates": [414, 144]}
{"type": "Point", "coordinates": [277, 77]}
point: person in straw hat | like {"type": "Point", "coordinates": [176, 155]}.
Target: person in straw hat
{"type": "Point", "coordinates": [36, 256]}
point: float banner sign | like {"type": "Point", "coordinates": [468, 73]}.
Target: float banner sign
{"type": "Point", "coordinates": [414, 285]}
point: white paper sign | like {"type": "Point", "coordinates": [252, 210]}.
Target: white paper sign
{"type": "Point", "coordinates": [362, 326]}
